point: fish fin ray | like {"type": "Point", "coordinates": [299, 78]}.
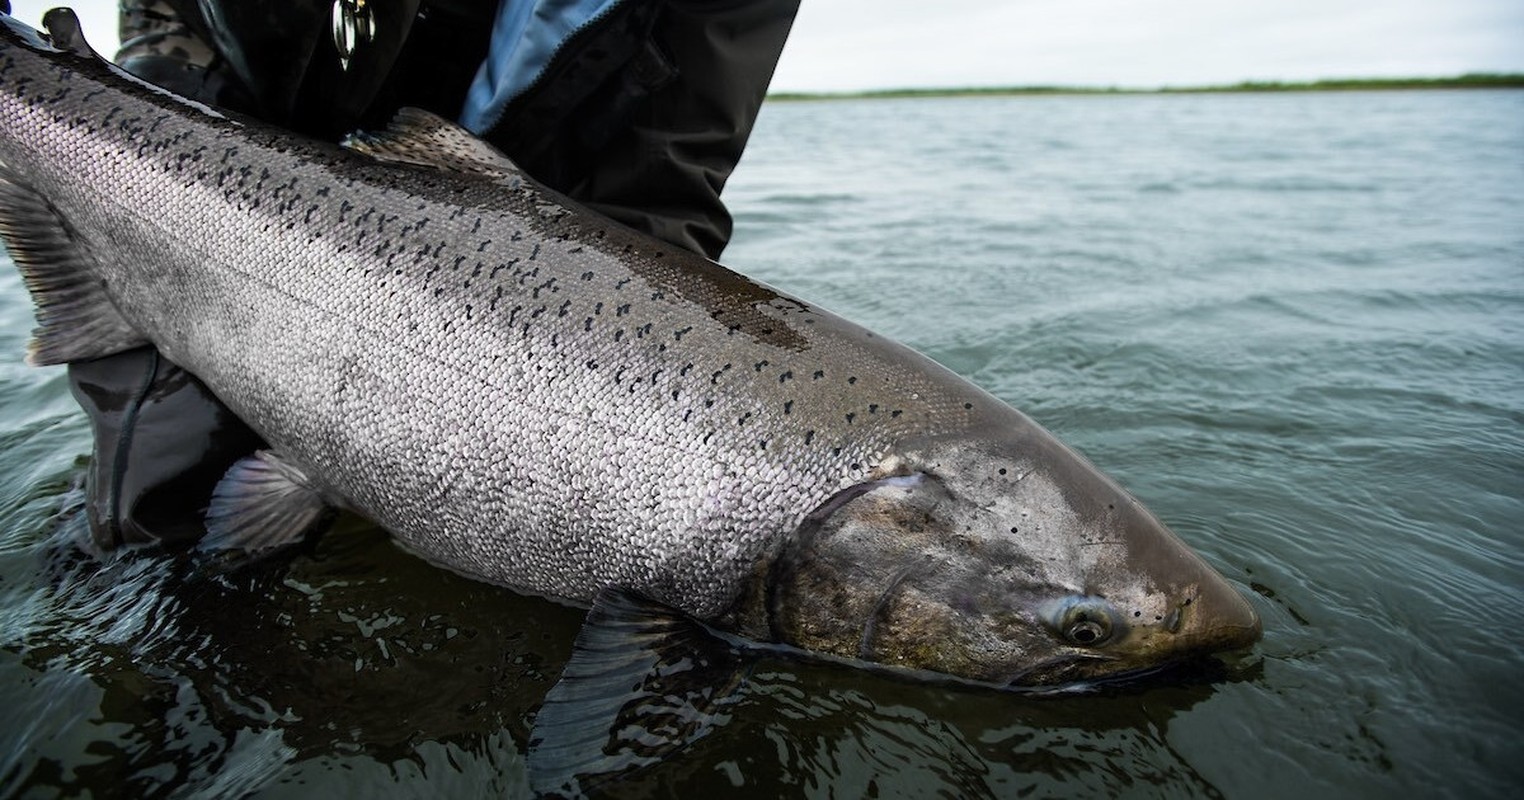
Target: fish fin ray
{"type": "Point", "coordinates": [415, 136]}
{"type": "Point", "coordinates": [76, 320]}
{"type": "Point", "coordinates": [263, 502]}
{"type": "Point", "coordinates": [643, 682]}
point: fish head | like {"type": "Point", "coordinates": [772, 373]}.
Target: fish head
{"type": "Point", "coordinates": [1005, 559]}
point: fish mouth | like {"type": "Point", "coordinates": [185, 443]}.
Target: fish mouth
{"type": "Point", "coordinates": [1063, 673]}
{"type": "Point", "coordinates": [1088, 673]}
{"type": "Point", "coordinates": [1183, 642]}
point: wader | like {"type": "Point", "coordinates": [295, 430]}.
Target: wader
{"type": "Point", "coordinates": [639, 109]}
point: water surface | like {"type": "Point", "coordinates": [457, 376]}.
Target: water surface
{"type": "Point", "coordinates": [1293, 325]}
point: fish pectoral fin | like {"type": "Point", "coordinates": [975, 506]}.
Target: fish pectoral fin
{"type": "Point", "coordinates": [415, 136]}
{"type": "Point", "coordinates": [262, 503]}
{"type": "Point", "coordinates": [643, 682]}
{"type": "Point", "coordinates": [76, 320]}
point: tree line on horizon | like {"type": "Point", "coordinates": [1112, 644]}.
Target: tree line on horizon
{"type": "Point", "coordinates": [1473, 80]}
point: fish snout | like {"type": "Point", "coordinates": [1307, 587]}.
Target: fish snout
{"type": "Point", "coordinates": [1216, 618]}
{"type": "Point", "coordinates": [1213, 617]}
{"type": "Point", "coordinates": [1104, 641]}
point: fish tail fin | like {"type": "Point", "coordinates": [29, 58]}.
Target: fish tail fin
{"type": "Point", "coordinates": [76, 320]}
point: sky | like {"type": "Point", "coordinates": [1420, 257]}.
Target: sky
{"type": "Point", "coordinates": [854, 45]}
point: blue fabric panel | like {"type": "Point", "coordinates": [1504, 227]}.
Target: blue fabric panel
{"type": "Point", "coordinates": [525, 35]}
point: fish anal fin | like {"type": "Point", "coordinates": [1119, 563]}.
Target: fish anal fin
{"type": "Point", "coordinates": [415, 136]}
{"type": "Point", "coordinates": [76, 320]}
{"type": "Point", "coordinates": [643, 682]}
{"type": "Point", "coordinates": [263, 502]}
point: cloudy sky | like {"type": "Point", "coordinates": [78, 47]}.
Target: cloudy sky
{"type": "Point", "coordinates": [843, 45]}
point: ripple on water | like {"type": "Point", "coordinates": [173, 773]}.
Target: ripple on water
{"type": "Point", "coordinates": [1291, 324]}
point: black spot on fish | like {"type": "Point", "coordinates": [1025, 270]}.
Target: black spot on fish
{"type": "Point", "coordinates": [788, 407]}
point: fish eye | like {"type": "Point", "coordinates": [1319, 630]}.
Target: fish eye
{"type": "Point", "coordinates": [1084, 621]}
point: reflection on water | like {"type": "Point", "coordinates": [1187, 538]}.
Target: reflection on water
{"type": "Point", "coordinates": [1293, 325]}
{"type": "Point", "coordinates": [353, 653]}
{"type": "Point", "coordinates": [356, 661]}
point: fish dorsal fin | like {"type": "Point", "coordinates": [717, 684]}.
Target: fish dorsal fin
{"type": "Point", "coordinates": [415, 136]}
{"type": "Point", "coordinates": [264, 502]}
{"type": "Point", "coordinates": [643, 682]}
{"type": "Point", "coordinates": [76, 320]}
{"type": "Point", "coordinates": [66, 33]}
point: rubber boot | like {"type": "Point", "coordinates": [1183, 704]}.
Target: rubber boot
{"type": "Point", "coordinates": [162, 441]}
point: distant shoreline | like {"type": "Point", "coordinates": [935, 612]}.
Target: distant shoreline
{"type": "Point", "coordinates": [1468, 81]}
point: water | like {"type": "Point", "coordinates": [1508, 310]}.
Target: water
{"type": "Point", "coordinates": [1293, 325]}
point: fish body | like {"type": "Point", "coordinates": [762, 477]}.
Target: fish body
{"type": "Point", "coordinates": [526, 392]}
